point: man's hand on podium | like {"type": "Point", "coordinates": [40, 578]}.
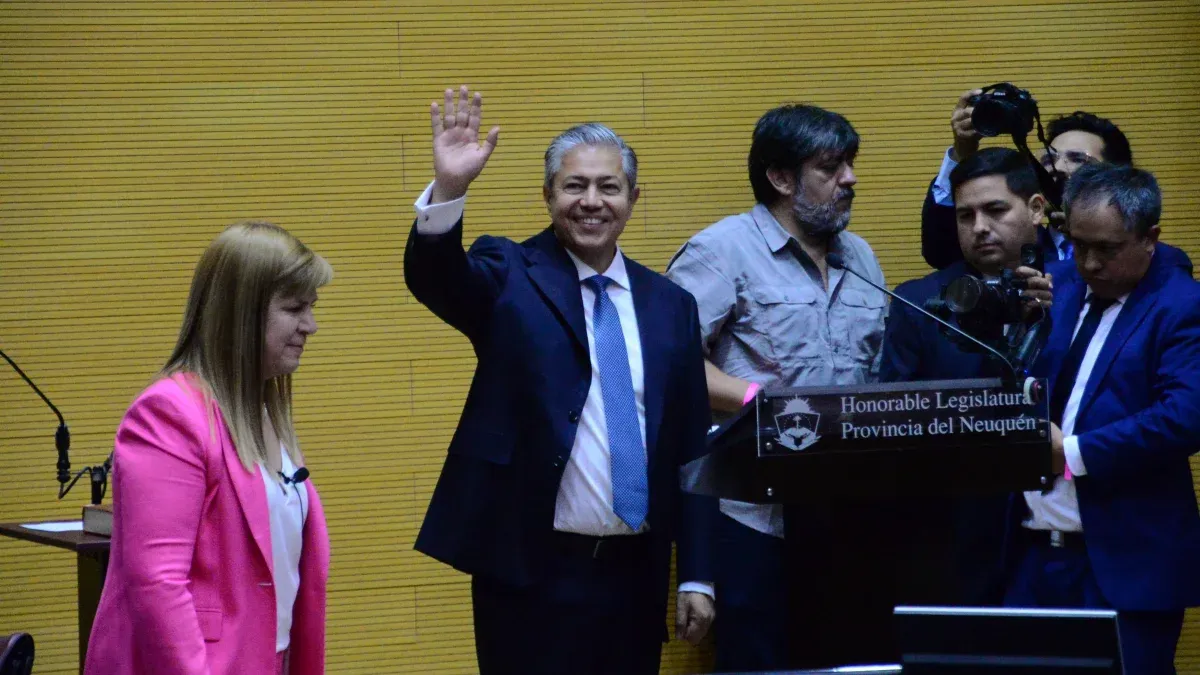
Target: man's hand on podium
{"type": "Point", "coordinates": [694, 614]}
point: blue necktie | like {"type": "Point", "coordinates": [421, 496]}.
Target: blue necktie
{"type": "Point", "coordinates": [631, 488]}
{"type": "Point", "coordinates": [1074, 359]}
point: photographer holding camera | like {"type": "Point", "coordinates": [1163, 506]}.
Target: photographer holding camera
{"type": "Point", "coordinates": [953, 553]}
{"type": "Point", "coordinates": [1074, 140]}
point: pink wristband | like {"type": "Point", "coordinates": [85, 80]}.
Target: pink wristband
{"type": "Point", "coordinates": [750, 392]}
{"type": "Point", "coordinates": [1067, 471]}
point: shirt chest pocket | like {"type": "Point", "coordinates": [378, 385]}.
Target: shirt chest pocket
{"type": "Point", "coordinates": [790, 319]}
{"type": "Point", "coordinates": [863, 314]}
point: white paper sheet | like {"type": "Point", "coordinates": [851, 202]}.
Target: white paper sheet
{"type": "Point", "coordinates": [59, 526]}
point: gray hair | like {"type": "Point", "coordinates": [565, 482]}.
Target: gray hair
{"type": "Point", "coordinates": [1133, 192]}
{"type": "Point", "coordinates": [591, 134]}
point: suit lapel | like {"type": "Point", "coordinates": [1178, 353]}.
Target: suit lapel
{"type": "Point", "coordinates": [655, 357]}
{"type": "Point", "coordinates": [251, 495]}
{"type": "Point", "coordinates": [1069, 303]}
{"type": "Point", "coordinates": [557, 279]}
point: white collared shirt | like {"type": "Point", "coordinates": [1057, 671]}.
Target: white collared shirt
{"type": "Point", "coordinates": [585, 501]}
{"type": "Point", "coordinates": [287, 505]}
{"type": "Point", "coordinates": [1058, 509]}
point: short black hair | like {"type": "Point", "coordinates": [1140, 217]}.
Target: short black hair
{"type": "Point", "coordinates": [1018, 173]}
{"type": "Point", "coordinates": [788, 136]}
{"type": "Point", "coordinates": [1116, 146]}
{"type": "Point", "coordinates": [1133, 192]}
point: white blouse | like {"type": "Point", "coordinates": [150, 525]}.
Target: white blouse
{"type": "Point", "coordinates": [287, 503]}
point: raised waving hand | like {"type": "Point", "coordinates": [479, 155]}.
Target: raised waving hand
{"type": "Point", "coordinates": [458, 156]}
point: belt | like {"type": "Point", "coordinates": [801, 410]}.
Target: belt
{"type": "Point", "coordinates": [600, 548]}
{"type": "Point", "coordinates": [1056, 539]}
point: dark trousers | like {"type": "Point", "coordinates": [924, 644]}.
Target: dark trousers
{"type": "Point", "coordinates": [594, 611]}
{"type": "Point", "coordinates": [751, 629]}
{"type": "Point", "coordinates": [1062, 577]}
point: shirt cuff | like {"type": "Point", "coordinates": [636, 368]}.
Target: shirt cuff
{"type": "Point", "coordinates": [704, 587]}
{"type": "Point", "coordinates": [942, 194]}
{"type": "Point", "coordinates": [1074, 458]}
{"type": "Point", "coordinates": [438, 218]}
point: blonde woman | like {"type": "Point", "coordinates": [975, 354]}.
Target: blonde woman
{"type": "Point", "coordinates": [219, 548]}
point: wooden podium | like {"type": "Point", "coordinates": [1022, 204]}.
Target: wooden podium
{"type": "Point", "coordinates": [91, 566]}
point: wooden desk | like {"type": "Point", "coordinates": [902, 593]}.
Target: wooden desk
{"type": "Point", "coordinates": [91, 556]}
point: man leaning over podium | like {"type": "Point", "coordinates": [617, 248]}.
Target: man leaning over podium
{"type": "Point", "coordinates": [1119, 528]}
{"type": "Point", "coordinates": [560, 493]}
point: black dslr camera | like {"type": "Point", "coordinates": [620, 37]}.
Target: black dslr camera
{"type": "Point", "coordinates": [982, 307]}
{"type": "Point", "coordinates": [1003, 109]}
{"type": "Point", "coordinates": [993, 311]}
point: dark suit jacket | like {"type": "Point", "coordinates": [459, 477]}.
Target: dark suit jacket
{"type": "Point", "coordinates": [939, 236]}
{"type": "Point", "coordinates": [913, 345]}
{"type": "Point", "coordinates": [492, 511]}
{"type": "Point", "coordinates": [1137, 424]}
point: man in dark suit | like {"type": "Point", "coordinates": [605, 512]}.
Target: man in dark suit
{"type": "Point", "coordinates": [954, 546]}
{"type": "Point", "coordinates": [1075, 140]}
{"type": "Point", "coordinates": [560, 493]}
{"type": "Point", "coordinates": [1120, 527]}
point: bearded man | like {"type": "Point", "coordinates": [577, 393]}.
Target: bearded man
{"type": "Point", "coordinates": [773, 314]}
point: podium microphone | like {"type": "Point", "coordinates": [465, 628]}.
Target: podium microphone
{"type": "Point", "coordinates": [62, 437]}
{"type": "Point", "coordinates": [836, 261]}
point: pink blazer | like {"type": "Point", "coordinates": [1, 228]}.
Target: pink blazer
{"type": "Point", "coordinates": [189, 586]}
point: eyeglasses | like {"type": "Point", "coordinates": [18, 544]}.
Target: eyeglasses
{"type": "Point", "coordinates": [1073, 158]}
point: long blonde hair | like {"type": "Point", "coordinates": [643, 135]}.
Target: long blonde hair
{"type": "Point", "coordinates": [222, 340]}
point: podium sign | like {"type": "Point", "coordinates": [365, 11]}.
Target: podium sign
{"type": "Point", "coordinates": [951, 437]}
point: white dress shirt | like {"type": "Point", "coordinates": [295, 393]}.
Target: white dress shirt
{"type": "Point", "coordinates": [288, 508]}
{"type": "Point", "coordinates": [943, 195]}
{"type": "Point", "coordinates": [1058, 509]}
{"type": "Point", "coordinates": [585, 503]}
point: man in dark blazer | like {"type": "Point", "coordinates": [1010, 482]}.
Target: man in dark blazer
{"type": "Point", "coordinates": [1075, 140]}
{"type": "Point", "coordinates": [560, 493]}
{"type": "Point", "coordinates": [1120, 527]}
{"type": "Point", "coordinates": [954, 546]}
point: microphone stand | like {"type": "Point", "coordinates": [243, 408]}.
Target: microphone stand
{"type": "Point", "coordinates": [836, 261]}
{"type": "Point", "coordinates": [98, 475]}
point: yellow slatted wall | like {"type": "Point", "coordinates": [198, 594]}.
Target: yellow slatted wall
{"type": "Point", "coordinates": [133, 132]}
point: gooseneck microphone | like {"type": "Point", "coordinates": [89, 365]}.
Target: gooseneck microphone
{"type": "Point", "coordinates": [62, 441]}
{"type": "Point", "coordinates": [836, 261]}
{"type": "Point", "coordinates": [62, 437]}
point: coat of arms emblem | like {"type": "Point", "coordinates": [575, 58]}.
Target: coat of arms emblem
{"type": "Point", "coordinates": [797, 425]}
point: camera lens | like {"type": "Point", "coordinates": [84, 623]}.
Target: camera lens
{"type": "Point", "coordinates": [992, 117]}
{"type": "Point", "coordinates": [963, 294]}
